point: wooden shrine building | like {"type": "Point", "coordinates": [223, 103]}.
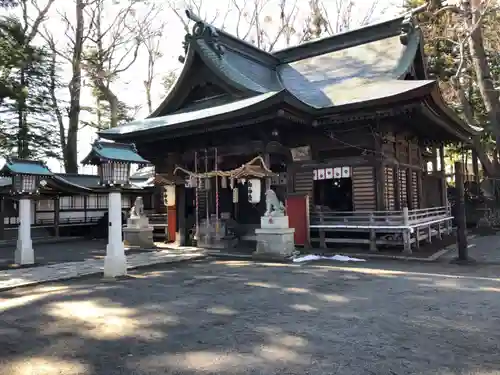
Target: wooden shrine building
{"type": "Point", "coordinates": [352, 121]}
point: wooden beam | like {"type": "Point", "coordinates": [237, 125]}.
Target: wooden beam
{"type": "Point", "coordinates": [180, 195]}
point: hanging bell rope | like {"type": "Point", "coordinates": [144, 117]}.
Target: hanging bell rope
{"type": "Point", "coordinates": [254, 168]}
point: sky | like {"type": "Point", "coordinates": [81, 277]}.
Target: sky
{"type": "Point", "coordinates": [130, 87]}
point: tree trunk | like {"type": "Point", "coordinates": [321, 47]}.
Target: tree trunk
{"type": "Point", "coordinates": [488, 166]}
{"type": "Point", "coordinates": [23, 131]}
{"type": "Point", "coordinates": [75, 86]}
{"type": "Point", "coordinates": [55, 105]}
{"type": "Point", "coordinates": [109, 96]}
{"type": "Point", "coordinates": [148, 83]}
{"type": "Point", "coordinates": [481, 68]}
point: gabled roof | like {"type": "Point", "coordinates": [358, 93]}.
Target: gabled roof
{"type": "Point", "coordinates": [15, 166]}
{"type": "Point", "coordinates": [111, 151]}
{"type": "Point", "coordinates": [357, 69]}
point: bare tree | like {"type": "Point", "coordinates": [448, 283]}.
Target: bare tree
{"type": "Point", "coordinates": [169, 80]}
{"type": "Point", "coordinates": [151, 38]}
{"type": "Point", "coordinates": [265, 30]}
{"type": "Point", "coordinates": [272, 24]}
{"type": "Point", "coordinates": [70, 50]}
{"type": "Point", "coordinates": [338, 16]}
{"type": "Point", "coordinates": [113, 49]}
{"type": "Point", "coordinates": [32, 24]}
{"type": "Point", "coordinates": [461, 24]}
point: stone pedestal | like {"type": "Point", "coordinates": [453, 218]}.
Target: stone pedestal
{"type": "Point", "coordinates": [275, 240]}
{"type": "Point", "coordinates": [138, 234]}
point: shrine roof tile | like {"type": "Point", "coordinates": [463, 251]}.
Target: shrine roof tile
{"type": "Point", "coordinates": [14, 166]}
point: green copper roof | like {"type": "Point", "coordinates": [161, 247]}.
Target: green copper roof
{"type": "Point", "coordinates": [21, 166]}
{"type": "Point", "coordinates": [362, 67]}
{"type": "Point", "coordinates": [108, 151]}
{"type": "Point", "coordinates": [182, 119]}
{"type": "Point", "coordinates": [327, 80]}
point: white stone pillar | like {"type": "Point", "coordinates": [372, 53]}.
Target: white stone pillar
{"type": "Point", "coordinates": [115, 262]}
{"type": "Point", "coordinates": [24, 250]}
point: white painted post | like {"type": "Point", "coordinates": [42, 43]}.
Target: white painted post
{"type": "Point", "coordinates": [115, 262]}
{"type": "Point", "coordinates": [406, 232]}
{"type": "Point", "coordinates": [24, 253]}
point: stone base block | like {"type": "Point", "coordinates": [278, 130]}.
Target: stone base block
{"type": "Point", "coordinates": [138, 238]}
{"type": "Point", "coordinates": [138, 222]}
{"type": "Point", "coordinates": [274, 243]}
{"type": "Point", "coordinates": [274, 222]}
{"type": "Point", "coordinates": [115, 265]}
{"type": "Point", "coordinates": [24, 254]}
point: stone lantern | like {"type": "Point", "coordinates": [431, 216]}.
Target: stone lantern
{"type": "Point", "coordinates": [27, 176]}
{"type": "Point", "coordinates": [113, 161]}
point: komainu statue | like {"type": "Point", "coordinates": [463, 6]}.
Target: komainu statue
{"type": "Point", "coordinates": [273, 205]}
{"type": "Point", "coordinates": [137, 209]}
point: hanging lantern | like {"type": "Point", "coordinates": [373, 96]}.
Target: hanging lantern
{"type": "Point", "coordinates": [223, 182]}
{"type": "Point", "coordinates": [254, 190]}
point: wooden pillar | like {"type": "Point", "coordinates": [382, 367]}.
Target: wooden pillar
{"type": "Point", "coordinates": [434, 159]}
{"type": "Point", "coordinates": [420, 191]}
{"type": "Point", "coordinates": [57, 215]}
{"type": "Point", "coordinates": [290, 181]}
{"type": "Point", "coordinates": [2, 217]}
{"type": "Point", "coordinates": [460, 213]}
{"type": "Point", "coordinates": [180, 195]}
{"type": "Point", "coordinates": [379, 172]}
{"type": "Point", "coordinates": [444, 192]}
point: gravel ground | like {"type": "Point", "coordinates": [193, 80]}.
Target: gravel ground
{"type": "Point", "coordinates": [244, 318]}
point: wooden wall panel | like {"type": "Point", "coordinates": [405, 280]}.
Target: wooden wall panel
{"type": "Point", "coordinates": [403, 188]}
{"type": "Point", "coordinates": [304, 184]}
{"type": "Point", "coordinates": [363, 189]}
{"type": "Point", "coordinates": [414, 188]}
{"type": "Point", "coordinates": [389, 199]}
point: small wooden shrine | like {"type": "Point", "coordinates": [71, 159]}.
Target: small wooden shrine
{"type": "Point", "coordinates": [351, 126]}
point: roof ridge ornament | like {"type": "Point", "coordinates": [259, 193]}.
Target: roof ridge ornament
{"type": "Point", "coordinates": [205, 31]}
{"type": "Point", "coordinates": [407, 27]}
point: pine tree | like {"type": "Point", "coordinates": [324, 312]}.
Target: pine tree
{"type": "Point", "coordinates": [26, 117]}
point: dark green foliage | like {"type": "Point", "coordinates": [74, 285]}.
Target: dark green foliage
{"type": "Point", "coordinates": [26, 117]}
{"type": "Point", "coordinates": [27, 126]}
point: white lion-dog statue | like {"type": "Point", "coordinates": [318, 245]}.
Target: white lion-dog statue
{"type": "Point", "coordinates": [137, 209]}
{"type": "Point", "coordinates": [273, 205]}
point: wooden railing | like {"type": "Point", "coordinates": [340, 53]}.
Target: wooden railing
{"type": "Point", "coordinates": [406, 227]}
{"type": "Point", "coordinates": [49, 222]}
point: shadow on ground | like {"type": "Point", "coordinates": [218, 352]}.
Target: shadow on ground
{"type": "Point", "coordinates": [236, 317]}
{"type": "Point", "coordinates": [54, 253]}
